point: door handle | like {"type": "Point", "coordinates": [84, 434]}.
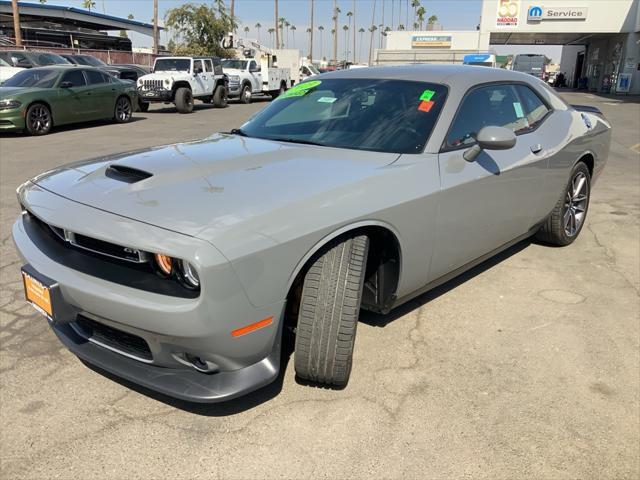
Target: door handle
{"type": "Point", "coordinates": [537, 148]}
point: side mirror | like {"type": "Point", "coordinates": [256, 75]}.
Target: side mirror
{"type": "Point", "coordinates": [66, 85]}
{"type": "Point", "coordinates": [491, 138]}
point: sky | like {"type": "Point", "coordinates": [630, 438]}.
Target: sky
{"type": "Point", "coordinates": [452, 15]}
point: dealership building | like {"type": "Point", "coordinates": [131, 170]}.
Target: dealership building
{"type": "Point", "coordinates": [600, 39]}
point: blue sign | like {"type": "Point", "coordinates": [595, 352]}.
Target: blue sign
{"type": "Point", "coordinates": [535, 13]}
{"type": "Point", "coordinates": [474, 58]}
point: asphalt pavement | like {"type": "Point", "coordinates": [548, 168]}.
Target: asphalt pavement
{"type": "Point", "coordinates": [526, 367]}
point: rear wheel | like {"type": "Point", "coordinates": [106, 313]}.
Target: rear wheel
{"type": "Point", "coordinates": [184, 100]}
{"type": "Point", "coordinates": [38, 119]}
{"type": "Point", "coordinates": [123, 110]}
{"type": "Point", "coordinates": [568, 216]}
{"type": "Point", "coordinates": [245, 94]}
{"type": "Point", "coordinates": [328, 313]}
{"type": "Point", "coordinates": [279, 92]}
{"type": "Point", "coordinates": [220, 97]}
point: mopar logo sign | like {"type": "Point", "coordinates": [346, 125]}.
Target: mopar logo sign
{"type": "Point", "coordinates": [538, 14]}
{"type": "Point", "coordinates": [535, 13]}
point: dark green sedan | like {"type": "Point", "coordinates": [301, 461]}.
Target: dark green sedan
{"type": "Point", "coordinates": [37, 99]}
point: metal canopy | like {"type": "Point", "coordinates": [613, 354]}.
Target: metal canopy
{"type": "Point", "coordinates": [539, 38]}
{"type": "Point", "coordinates": [35, 13]}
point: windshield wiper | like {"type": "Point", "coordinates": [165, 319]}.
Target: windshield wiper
{"type": "Point", "coordinates": [298, 140]}
{"type": "Point", "coordinates": [237, 131]}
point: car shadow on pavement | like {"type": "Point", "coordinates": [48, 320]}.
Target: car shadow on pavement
{"type": "Point", "coordinates": [73, 126]}
{"type": "Point", "coordinates": [268, 392]}
{"type": "Point", "coordinates": [380, 320]}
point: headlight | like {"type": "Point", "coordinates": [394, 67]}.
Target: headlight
{"type": "Point", "coordinates": [9, 104]}
{"type": "Point", "coordinates": [189, 274]}
{"type": "Point", "coordinates": [234, 78]}
{"type": "Point", "coordinates": [167, 81]}
{"type": "Point", "coordinates": [139, 82]}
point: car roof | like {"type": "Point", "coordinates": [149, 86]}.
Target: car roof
{"type": "Point", "coordinates": [66, 67]}
{"type": "Point", "coordinates": [452, 75]}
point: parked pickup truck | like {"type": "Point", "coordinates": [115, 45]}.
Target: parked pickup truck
{"type": "Point", "coordinates": [180, 80]}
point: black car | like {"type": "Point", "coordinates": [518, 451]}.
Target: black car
{"type": "Point", "coordinates": [29, 59]}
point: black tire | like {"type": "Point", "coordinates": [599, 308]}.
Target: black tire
{"type": "Point", "coordinates": [144, 106]}
{"type": "Point", "coordinates": [123, 110]}
{"type": "Point", "coordinates": [565, 222]}
{"type": "Point", "coordinates": [245, 94]}
{"type": "Point", "coordinates": [220, 97]}
{"type": "Point", "coordinates": [328, 313]}
{"type": "Point", "coordinates": [184, 100]}
{"type": "Point", "coordinates": [38, 119]}
{"type": "Point", "coordinates": [277, 93]}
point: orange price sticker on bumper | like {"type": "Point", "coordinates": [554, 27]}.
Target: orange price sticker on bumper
{"type": "Point", "coordinates": [37, 293]}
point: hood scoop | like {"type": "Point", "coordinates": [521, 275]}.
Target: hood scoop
{"type": "Point", "coordinates": [122, 173]}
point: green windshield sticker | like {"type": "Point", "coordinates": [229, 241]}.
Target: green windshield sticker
{"type": "Point", "coordinates": [327, 99]}
{"type": "Point", "coordinates": [301, 89]}
{"type": "Point", "coordinates": [518, 108]}
{"type": "Point", "coordinates": [427, 95]}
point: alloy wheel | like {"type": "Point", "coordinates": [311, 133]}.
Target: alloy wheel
{"type": "Point", "coordinates": [575, 205]}
{"type": "Point", "coordinates": [39, 119]}
{"type": "Point", "coordinates": [123, 109]}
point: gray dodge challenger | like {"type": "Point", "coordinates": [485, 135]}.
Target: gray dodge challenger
{"type": "Point", "coordinates": [180, 267]}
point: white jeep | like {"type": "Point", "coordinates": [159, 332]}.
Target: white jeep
{"type": "Point", "coordinates": [180, 80]}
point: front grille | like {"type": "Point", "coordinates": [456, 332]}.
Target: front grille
{"type": "Point", "coordinates": [96, 246]}
{"type": "Point", "coordinates": [151, 84]}
{"type": "Point", "coordinates": [113, 338]}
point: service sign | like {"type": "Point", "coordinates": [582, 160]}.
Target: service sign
{"type": "Point", "coordinates": [430, 41]}
{"type": "Point", "coordinates": [538, 13]}
{"type": "Point", "coordinates": [508, 14]}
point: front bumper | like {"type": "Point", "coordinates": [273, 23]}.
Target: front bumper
{"type": "Point", "coordinates": [154, 95]}
{"type": "Point", "coordinates": [12, 120]}
{"type": "Point", "coordinates": [171, 326]}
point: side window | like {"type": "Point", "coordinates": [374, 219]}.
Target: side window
{"type": "Point", "coordinates": [252, 65]}
{"type": "Point", "coordinates": [75, 77]}
{"type": "Point", "coordinates": [494, 105]}
{"type": "Point", "coordinates": [533, 108]}
{"type": "Point", "coordinates": [94, 77]}
{"type": "Point", "coordinates": [197, 66]}
{"type": "Point", "coordinates": [207, 66]}
{"type": "Point", "coordinates": [20, 60]}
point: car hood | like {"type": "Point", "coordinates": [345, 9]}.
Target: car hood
{"type": "Point", "coordinates": [233, 71]}
{"type": "Point", "coordinates": [212, 184]}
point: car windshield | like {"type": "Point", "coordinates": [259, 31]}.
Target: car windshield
{"type": "Point", "coordinates": [172, 65]}
{"type": "Point", "coordinates": [49, 59]}
{"type": "Point", "coordinates": [36, 78]}
{"type": "Point", "coordinates": [237, 64]}
{"type": "Point", "coordinates": [90, 61]}
{"type": "Point", "coordinates": [363, 114]}
{"type": "Point", "coordinates": [313, 69]}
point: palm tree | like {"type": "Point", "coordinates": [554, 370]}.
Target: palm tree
{"type": "Point", "coordinates": [346, 40]}
{"type": "Point", "coordinates": [258, 27]}
{"type": "Point", "coordinates": [271, 31]}
{"type": "Point", "coordinates": [334, 30]}
{"type": "Point", "coordinates": [281, 20]}
{"type": "Point", "coordinates": [293, 35]}
{"type": "Point", "coordinates": [401, 27]}
{"type": "Point", "coordinates": [321, 29]}
{"type": "Point", "coordinates": [354, 31]}
{"type": "Point", "coordinates": [421, 11]}
{"type": "Point", "coordinates": [17, 33]}
{"type": "Point", "coordinates": [416, 25]}
{"type": "Point", "coordinates": [415, 4]}
{"type": "Point", "coordinates": [310, 31]}
{"type": "Point", "coordinates": [372, 29]}
{"type": "Point", "coordinates": [432, 20]}
{"type": "Point", "coordinates": [246, 31]}
{"type": "Point", "coordinates": [276, 25]}
{"type": "Point", "coordinates": [361, 32]}
{"type": "Point", "coordinates": [345, 28]}
{"type": "Point", "coordinates": [89, 4]}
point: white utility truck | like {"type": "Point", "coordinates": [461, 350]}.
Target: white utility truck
{"type": "Point", "coordinates": [259, 70]}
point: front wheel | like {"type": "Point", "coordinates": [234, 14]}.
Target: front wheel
{"type": "Point", "coordinates": [245, 94]}
{"type": "Point", "coordinates": [123, 110]}
{"type": "Point", "coordinates": [38, 119]}
{"type": "Point", "coordinates": [564, 224]}
{"type": "Point", "coordinates": [184, 100]}
{"type": "Point", "coordinates": [328, 313]}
